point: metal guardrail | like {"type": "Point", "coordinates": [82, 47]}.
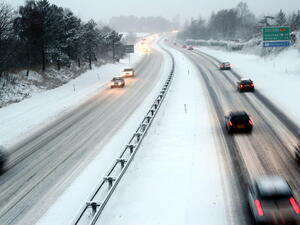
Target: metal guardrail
{"type": "Point", "coordinates": [92, 209]}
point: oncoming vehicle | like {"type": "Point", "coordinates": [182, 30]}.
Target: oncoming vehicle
{"type": "Point", "coordinates": [225, 66]}
{"type": "Point", "coordinates": [190, 48]}
{"type": "Point", "coordinates": [129, 72]}
{"type": "Point", "coordinates": [245, 84]}
{"type": "Point", "coordinates": [271, 201]}
{"type": "Point", "coordinates": [238, 121]}
{"type": "Point", "coordinates": [117, 82]}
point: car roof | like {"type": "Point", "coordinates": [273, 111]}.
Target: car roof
{"type": "Point", "coordinates": [272, 185]}
{"type": "Point", "coordinates": [238, 113]}
{"type": "Point", "coordinates": [128, 69]}
{"type": "Point", "coordinates": [245, 79]}
{"type": "Point", "coordinates": [225, 63]}
{"type": "Point", "coordinates": [117, 78]}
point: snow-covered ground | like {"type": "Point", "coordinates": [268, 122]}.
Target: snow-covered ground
{"type": "Point", "coordinates": [275, 76]}
{"type": "Point", "coordinates": [175, 177]}
{"type": "Point", "coordinates": [23, 118]}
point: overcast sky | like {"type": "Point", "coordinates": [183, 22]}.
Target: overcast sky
{"type": "Point", "coordinates": [102, 10]}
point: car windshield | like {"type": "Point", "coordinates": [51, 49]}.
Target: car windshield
{"type": "Point", "coordinates": [246, 82]}
{"type": "Point", "coordinates": [239, 118]}
{"type": "Point", "coordinates": [128, 70]}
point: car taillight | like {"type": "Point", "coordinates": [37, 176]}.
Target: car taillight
{"type": "Point", "coordinates": [250, 122]}
{"type": "Point", "coordinates": [295, 205]}
{"type": "Point", "coordinates": [252, 85]}
{"type": "Point", "coordinates": [259, 208]}
{"type": "Point", "coordinates": [241, 85]}
{"type": "Point", "coordinates": [230, 123]}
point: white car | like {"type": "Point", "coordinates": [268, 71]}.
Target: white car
{"type": "Point", "coordinates": [128, 72]}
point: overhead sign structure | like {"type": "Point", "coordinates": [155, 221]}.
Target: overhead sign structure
{"type": "Point", "coordinates": [276, 36]}
{"type": "Point", "coordinates": [129, 48]}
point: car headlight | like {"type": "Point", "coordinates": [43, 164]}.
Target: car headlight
{"type": "Point", "coordinates": [120, 83]}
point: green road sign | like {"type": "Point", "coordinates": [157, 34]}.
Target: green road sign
{"type": "Point", "coordinates": [276, 34]}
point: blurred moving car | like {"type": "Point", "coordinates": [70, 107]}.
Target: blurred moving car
{"type": "Point", "coordinates": [225, 66]}
{"type": "Point", "coordinates": [117, 82]}
{"type": "Point", "coordinates": [190, 48]}
{"type": "Point", "coordinates": [128, 72]}
{"type": "Point", "coordinates": [238, 121]}
{"type": "Point", "coordinates": [271, 201]}
{"type": "Point", "coordinates": [3, 158]}
{"type": "Point", "coordinates": [245, 84]}
{"type": "Point", "coordinates": [297, 152]}
{"type": "Point", "coordinates": [184, 46]}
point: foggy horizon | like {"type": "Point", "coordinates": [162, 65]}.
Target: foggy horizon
{"type": "Point", "coordinates": [168, 9]}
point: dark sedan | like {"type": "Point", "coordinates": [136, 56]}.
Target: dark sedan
{"type": "Point", "coordinates": [238, 121]}
{"type": "Point", "coordinates": [245, 84]}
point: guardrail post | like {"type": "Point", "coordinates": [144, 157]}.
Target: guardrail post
{"type": "Point", "coordinates": [93, 205]}
{"type": "Point", "coordinates": [155, 106]}
{"type": "Point", "coordinates": [131, 147]}
{"type": "Point", "coordinates": [110, 180]}
{"type": "Point", "coordinates": [143, 127]}
{"type": "Point", "coordinates": [122, 161]}
{"type": "Point", "coordinates": [148, 118]}
{"type": "Point", "coordinates": [152, 112]}
{"type": "Point", "coordinates": [138, 136]}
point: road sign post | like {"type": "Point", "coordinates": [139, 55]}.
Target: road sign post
{"type": "Point", "coordinates": [129, 49]}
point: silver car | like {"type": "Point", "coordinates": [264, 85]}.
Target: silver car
{"type": "Point", "coordinates": [271, 201]}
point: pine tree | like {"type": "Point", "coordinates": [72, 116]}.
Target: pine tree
{"type": "Point", "coordinates": [281, 19]}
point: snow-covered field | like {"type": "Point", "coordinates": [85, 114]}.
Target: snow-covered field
{"type": "Point", "coordinates": [275, 76]}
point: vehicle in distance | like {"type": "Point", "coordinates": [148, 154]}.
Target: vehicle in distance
{"type": "Point", "coordinates": [190, 48]}
{"type": "Point", "coordinates": [225, 66]}
{"type": "Point", "coordinates": [245, 84]}
{"type": "Point", "coordinates": [238, 121]}
{"type": "Point", "coordinates": [117, 82]}
{"type": "Point", "coordinates": [297, 152]}
{"type": "Point", "coordinates": [3, 159]}
{"type": "Point", "coordinates": [271, 201]}
{"type": "Point", "coordinates": [184, 46]}
{"type": "Point", "coordinates": [128, 72]}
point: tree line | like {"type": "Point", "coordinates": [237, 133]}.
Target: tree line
{"type": "Point", "coordinates": [237, 23]}
{"type": "Point", "coordinates": [39, 34]}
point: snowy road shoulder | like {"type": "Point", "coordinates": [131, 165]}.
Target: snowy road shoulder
{"type": "Point", "coordinates": [175, 177]}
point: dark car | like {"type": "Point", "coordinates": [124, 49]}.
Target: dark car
{"type": "Point", "coordinates": [225, 66]}
{"type": "Point", "coordinates": [128, 72]}
{"type": "Point", "coordinates": [238, 121]}
{"type": "Point", "coordinates": [245, 84]}
{"type": "Point", "coordinates": [271, 201]}
{"type": "Point", "coordinates": [117, 82]}
{"type": "Point", "coordinates": [297, 152]}
{"type": "Point", "coordinates": [3, 159]}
